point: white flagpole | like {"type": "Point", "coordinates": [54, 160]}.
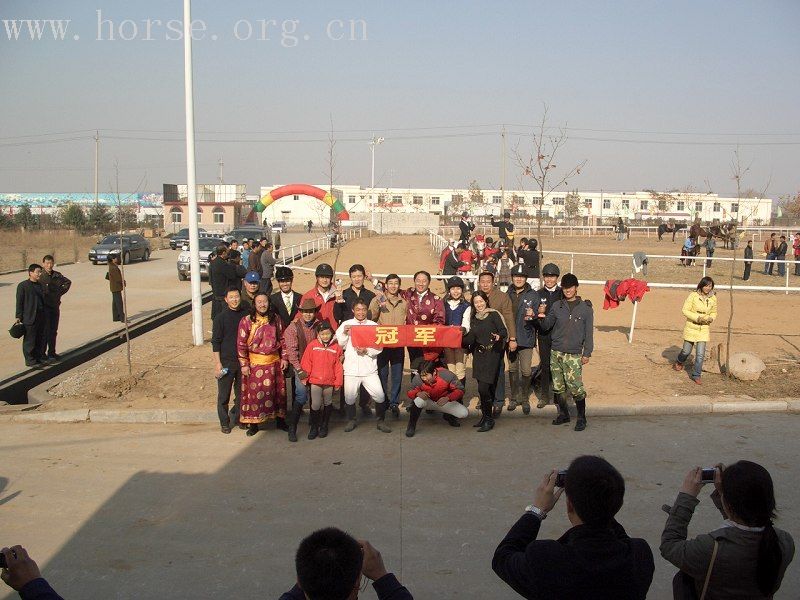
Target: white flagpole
{"type": "Point", "coordinates": [633, 322]}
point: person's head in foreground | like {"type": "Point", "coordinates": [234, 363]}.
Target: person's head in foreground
{"type": "Point", "coordinates": [594, 489]}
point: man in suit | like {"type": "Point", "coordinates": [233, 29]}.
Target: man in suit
{"type": "Point", "coordinates": [30, 312]}
{"type": "Point", "coordinates": [54, 285]}
{"type": "Point", "coordinates": [286, 301]}
{"type": "Point", "coordinates": [466, 227]}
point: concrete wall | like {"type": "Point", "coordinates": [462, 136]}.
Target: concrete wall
{"type": "Point", "coordinates": [386, 222]}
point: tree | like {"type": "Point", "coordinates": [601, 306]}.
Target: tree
{"type": "Point", "coordinates": [126, 216]}
{"type": "Point", "coordinates": [99, 218]}
{"type": "Point", "coordinates": [24, 217]}
{"type": "Point", "coordinates": [476, 197]}
{"type": "Point", "coordinates": [72, 216]}
{"type": "Point", "coordinates": [540, 166]}
{"type": "Point", "coordinates": [572, 205]}
{"type": "Point", "coordinates": [664, 201]}
{"type": "Point", "coordinates": [791, 205]}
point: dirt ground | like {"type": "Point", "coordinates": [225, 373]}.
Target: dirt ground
{"type": "Point", "coordinates": [170, 373]}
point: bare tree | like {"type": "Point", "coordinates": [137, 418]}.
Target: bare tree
{"type": "Point", "coordinates": [572, 205]}
{"type": "Point", "coordinates": [540, 165]}
{"type": "Point", "coordinates": [476, 196]}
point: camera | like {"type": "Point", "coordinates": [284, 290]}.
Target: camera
{"type": "Point", "coordinates": [561, 478]}
{"type": "Point", "coordinates": [707, 474]}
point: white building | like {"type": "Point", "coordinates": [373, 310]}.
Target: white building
{"type": "Point", "coordinates": [628, 205]}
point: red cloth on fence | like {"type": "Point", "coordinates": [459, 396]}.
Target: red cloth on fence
{"type": "Point", "coordinates": [617, 290]}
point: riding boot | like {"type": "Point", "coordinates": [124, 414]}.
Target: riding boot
{"type": "Point", "coordinates": [350, 411]}
{"type": "Point", "coordinates": [280, 423]}
{"type": "Point", "coordinates": [563, 410]}
{"type": "Point", "coordinates": [525, 391]}
{"type": "Point", "coordinates": [513, 380]}
{"type": "Point", "coordinates": [294, 417]}
{"type": "Point", "coordinates": [452, 420]}
{"type": "Point", "coordinates": [488, 420]}
{"type": "Point", "coordinates": [313, 425]}
{"type": "Point", "coordinates": [580, 405]}
{"type": "Point", "coordinates": [380, 409]}
{"type": "Point", "coordinates": [326, 417]}
{"type": "Point", "coordinates": [414, 414]}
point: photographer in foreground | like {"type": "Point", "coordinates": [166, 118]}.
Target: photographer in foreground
{"type": "Point", "coordinates": [746, 557]}
{"type": "Point", "coordinates": [21, 572]}
{"type": "Point", "coordinates": [595, 559]}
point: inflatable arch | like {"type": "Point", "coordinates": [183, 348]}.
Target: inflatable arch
{"type": "Point", "coordinates": [305, 190]}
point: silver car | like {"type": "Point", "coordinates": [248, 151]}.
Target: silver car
{"type": "Point", "coordinates": [207, 247]}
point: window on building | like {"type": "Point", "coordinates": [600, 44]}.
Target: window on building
{"type": "Point", "coordinates": [397, 199]}
{"type": "Point", "coordinates": [717, 207]}
{"type": "Point", "coordinates": [457, 198]}
{"type": "Point", "coordinates": [587, 203]}
{"type": "Point", "coordinates": [681, 206]}
{"type": "Point", "coordinates": [176, 214]}
{"type": "Point", "coordinates": [558, 201]}
{"type": "Point", "coordinates": [644, 205]}
{"type": "Point", "coordinates": [735, 207]}
{"type": "Point", "coordinates": [626, 204]}
{"type": "Point", "coordinates": [698, 206]}
{"type": "Point", "coordinates": [351, 199]}
{"type": "Point", "coordinates": [542, 214]}
{"type": "Point", "coordinates": [497, 200]}
{"type": "Point", "coordinates": [219, 214]}
{"type": "Point", "coordinates": [199, 215]}
{"type": "Point", "coordinates": [435, 200]}
{"type": "Point", "coordinates": [381, 198]}
{"type": "Point", "coordinates": [662, 205]}
{"type": "Point", "coordinates": [417, 200]}
{"type": "Point", "coordinates": [606, 203]}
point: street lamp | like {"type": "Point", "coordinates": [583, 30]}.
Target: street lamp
{"type": "Point", "coordinates": [374, 142]}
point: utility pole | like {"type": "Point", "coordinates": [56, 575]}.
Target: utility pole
{"type": "Point", "coordinates": [503, 174]}
{"type": "Point", "coordinates": [96, 164]}
{"type": "Point", "coordinates": [374, 142]}
{"type": "Point", "coordinates": [221, 165]}
{"type": "Point", "coordinates": [191, 184]}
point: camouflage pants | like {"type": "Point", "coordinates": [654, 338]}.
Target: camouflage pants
{"type": "Point", "coordinates": [566, 370]}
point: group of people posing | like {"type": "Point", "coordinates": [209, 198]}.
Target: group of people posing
{"type": "Point", "coordinates": [261, 340]}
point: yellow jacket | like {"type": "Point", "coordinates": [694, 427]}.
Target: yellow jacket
{"type": "Point", "coordinates": [697, 306]}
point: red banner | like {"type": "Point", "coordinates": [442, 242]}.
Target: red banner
{"type": "Point", "coordinates": [415, 336]}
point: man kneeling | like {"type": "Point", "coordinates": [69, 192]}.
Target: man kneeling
{"type": "Point", "coordinates": [592, 560]}
{"type": "Point", "coordinates": [436, 388]}
{"type": "Point", "coordinates": [330, 564]}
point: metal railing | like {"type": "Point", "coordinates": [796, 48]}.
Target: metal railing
{"type": "Point", "coordinates": [316, 245]}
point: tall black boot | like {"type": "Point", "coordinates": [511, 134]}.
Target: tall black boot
{"type": "Point", "coordinates": [488, 420]}
{"type": "Point", "coordinates": [313, 424]}
{"type": "Point", "coordinates": [513, 400]}
{"type": "Point", "coordinates": [380, 409]}
{"type": "Point", "coordinates": [563, 409]}
{"type": "Point", "coordinates": [580, 405]}
{"type": "Point", "coordinates": [525, 391]}
{"type": "Point", "coordinates": [326, 417]}
{"type": "Point", "coordinates": [280, 423]}
{"type": "Point", "coordinates": [350, 411]}
{"type": "Point", "coordinates": [294, 417]}
{"type": "Point", "coordinates": [414, 414]}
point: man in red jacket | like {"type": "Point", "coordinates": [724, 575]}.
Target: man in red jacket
{"type": "Point", "coordinates": [436, 388]}
{"type": "Point", "coordinates": [323, 294]}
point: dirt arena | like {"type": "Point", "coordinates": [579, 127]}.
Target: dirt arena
{"type": "Point", "coordinates": [170, 372]}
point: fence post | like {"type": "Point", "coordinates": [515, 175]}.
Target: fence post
{"type": "Point", "coordinates": [572, 264]}
{"type": "Point", "coordinates": [704, 267]}
{"type": "Point", "coordinates": [786, 270]}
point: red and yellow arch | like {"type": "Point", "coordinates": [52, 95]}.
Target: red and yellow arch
{"type": "Point", "coordinates": [304, 190]}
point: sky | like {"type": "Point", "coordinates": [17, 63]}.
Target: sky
{"type": "Point", "coordinates": [653, 95]}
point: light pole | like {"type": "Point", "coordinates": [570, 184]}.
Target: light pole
{"type": "Point", "coordinates": [374, 142]}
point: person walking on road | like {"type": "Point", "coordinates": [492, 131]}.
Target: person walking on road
{"type": "Point", "coordinates": [54, 285]}
{"type": "Point", "coordinates": [30, 312]}
{"type": "Point", "coordinates": [116, 285]}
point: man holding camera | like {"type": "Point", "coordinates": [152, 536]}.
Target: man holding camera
{"type": "Point", "coordinates": [594, 559]}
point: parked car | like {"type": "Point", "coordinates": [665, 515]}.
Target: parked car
{"type": "Point", "coordinates": [207, 247]}
{"type": "Point", "coordinates": [240, 233]}
{"type": "Point", "coordinates": [134, 247]}
{"type": "Point", "coordinates": [201, 235]}
{"type": "Point", "coordinates": [279, 227]}
{"type": "Point", "coordinates": [177, 240]}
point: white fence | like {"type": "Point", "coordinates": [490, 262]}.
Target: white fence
{"type": "Point", "coordinates": [438, 243]}
{"type": "Point", "coordinates": [316, 245]}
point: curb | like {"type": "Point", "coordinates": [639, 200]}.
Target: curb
{"type": "Point", "coordinates": [190, 416]}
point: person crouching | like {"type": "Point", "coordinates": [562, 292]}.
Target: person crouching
{"type": "Point", "coordinates": [321, 369]}
{"type": "Point", "coordinates": [436, 388]}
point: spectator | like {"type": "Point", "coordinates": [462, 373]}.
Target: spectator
{"type": "Point", "coordinates": [502, 304]}
{"type": "Point", "coordinates": [330, 563]}
{"type": "Point", "coordinates": [116, 284]}
{"type": "Point", "coordinates": [22, 574]}
{"type": "Point", "coordinates": [54, 285]}
{"type": "Point", "coordinates": [226, 360]}
{"type": "Point", "coordinates": [748, 260]}
{"type": "Point", "coordinates": [780, 254]}
{"type": "Point", "coordinates": [296, 338]}
{"type": "Point", "coordinates": [746, 557]}
{"type": "Point", "coordinates": [594, 559]}
{"type": "Point", "coordinates": [390, 308]}
{"type": "Point", "coordinates": [711, 245]}
{"type": "Point", "coordinates": [796, 247]}
{"type": "Point", "coordinates": [700, 310]}
{"type": "Point", "coordinates": [268, 261]}
{"type": "Point", "coordinates": [769, 250]}
{"type": "Point", "coordinates": [30, 312]}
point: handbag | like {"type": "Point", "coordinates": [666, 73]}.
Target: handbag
{"type": "Point", "coordinates": [683, 587]}
{"type": "Point", "coordinates": [17, 330]}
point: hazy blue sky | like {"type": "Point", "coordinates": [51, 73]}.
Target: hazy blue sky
{"type": "Point", "coordinates": [696, 77]}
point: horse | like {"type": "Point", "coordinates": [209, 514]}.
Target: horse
{"type": "Point", "coordinates": [672, 228]}
{"type": "Point", "coordinates": [725, 232]}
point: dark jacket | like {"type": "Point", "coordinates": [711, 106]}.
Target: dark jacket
{"type": "Point", "coordinates": [451, 264]}
{"type": "Point", "coordinates": [223, 274]}
{"type": "Point", "coordinates": [733, 575]}
{"type": "Point", "coordinates": [268, 261]}
{"type": "Point", "coordinates": [387, 588]}
{"type": "Point", "coordinates": [223, 335]}
{"type": "Point", "coordinates": [530, 264]}
{"type": "Point", "coordinates": [276, 300]}
{"type": "Point", "coordinates": [38, 589]}
{"type": "Point", "coordinates": [342, 311]}
{"type": "Point", "coordinates": [30, 301]}
{"type": "Point", "coordinates": [528, 298]}
{"type": "Point", "coordinates": [466, 229]}
{"type": "Point", "coordinates": [486, 354]}
{"type": "Point", "coordinates": [781, 249]}
{"type": "Point", "coordinates": [551, 298]}
{"type": "Point", "coordinates": [115, 282]}
{"type": "Point", "coordinates": [55, 285]}
{"type": "Point", "coordinates": [585, 563]}
{"type": "Point", "coordinates": [748, 252]}
{"type": "Point", "coordinates": [572, 330]}
{"type": "Point", "coordinates": [504, 228]}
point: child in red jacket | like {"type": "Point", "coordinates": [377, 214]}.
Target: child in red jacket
{"type": "Point", "coordinates": [436, 388]}
{"type": "Point", "coordinates": [322, 369]}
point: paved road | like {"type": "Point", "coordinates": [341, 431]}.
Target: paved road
{"type": "Point", "coordinates": [116, 511]}
{"type": "Point", "coordinates": [86, 309]}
